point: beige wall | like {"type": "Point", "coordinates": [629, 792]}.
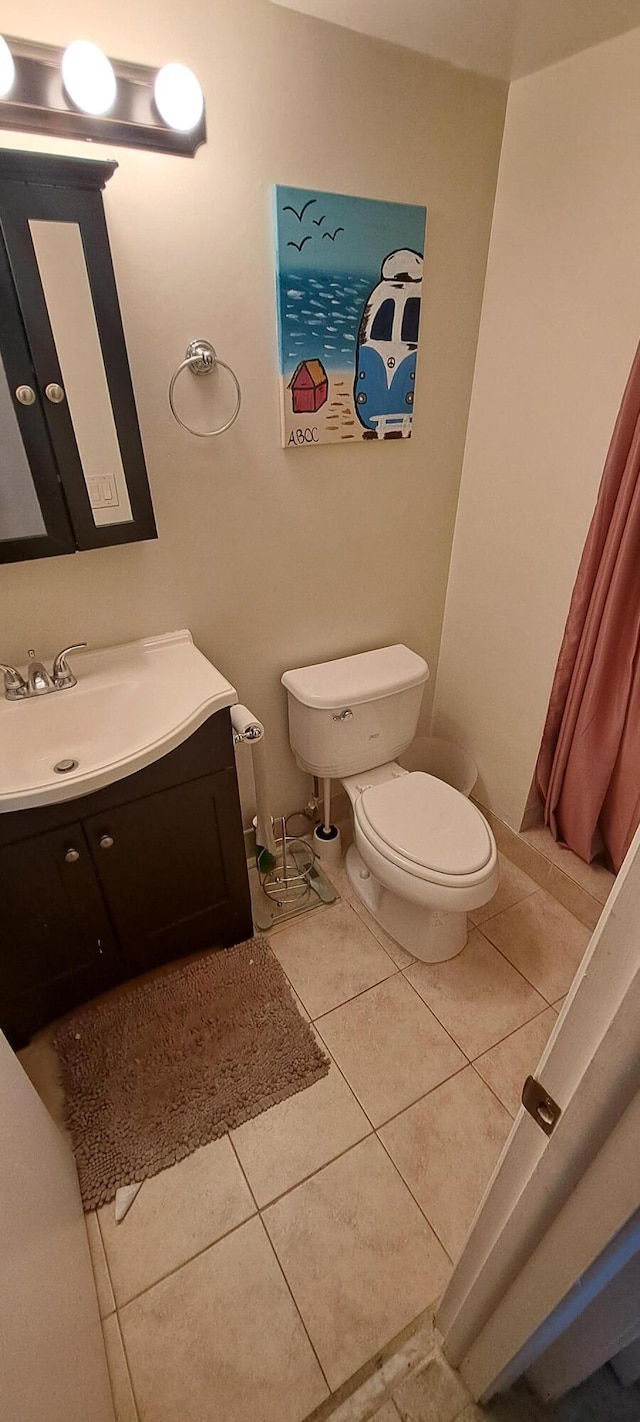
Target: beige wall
{"type": "Point", "coordinates": [558, 333]}
{"type": "Point", "coordinates": [274, 558]}
{"type": "Point", "coordinates": [52, 1359]}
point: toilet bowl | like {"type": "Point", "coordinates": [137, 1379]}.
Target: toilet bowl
{"type": "Point", "coordinates": [423, 855]}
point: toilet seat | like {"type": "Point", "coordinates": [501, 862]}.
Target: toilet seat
{"type": "Point", "coordinates": [427, 829]}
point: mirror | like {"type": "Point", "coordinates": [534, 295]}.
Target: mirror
{"type": "Point", "coordinates": [65, 281]}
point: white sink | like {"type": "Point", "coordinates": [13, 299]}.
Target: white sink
{"type": "Point", "coordinates": [132, 704]}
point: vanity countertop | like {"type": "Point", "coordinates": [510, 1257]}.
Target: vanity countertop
{"type": "Point", "coordinates": [132, 704]}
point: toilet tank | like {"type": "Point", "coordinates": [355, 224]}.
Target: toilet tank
{"type": "Point", "coordinates": [352, 714]}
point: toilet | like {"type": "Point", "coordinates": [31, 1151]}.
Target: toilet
{"type": "Point", "coordinates": [422, 855]}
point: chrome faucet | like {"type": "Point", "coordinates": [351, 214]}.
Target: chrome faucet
{"type": "Point", "coordinates": [15, 686]}
{"type": "Point", "coordinates": [62, 673]}
{"type": "Point", "coordinates": [38, 679]}
{"type": "Point", "coordinates": [39, 682]}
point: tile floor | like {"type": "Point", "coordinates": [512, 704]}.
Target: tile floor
{"type": "Point", "coordinates": [434, 1393]}
{"type": "Point", "coordinates": [581, 888]}
{"type": "Point", "coordinates": [256, 1277]}
{"type": "Point", "coordinates": [415, 1383]}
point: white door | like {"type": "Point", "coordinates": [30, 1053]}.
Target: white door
{"type": "Point", "coordinates": [52, 1360]}
{"type": "Point", "coordinates": [555, 1202]}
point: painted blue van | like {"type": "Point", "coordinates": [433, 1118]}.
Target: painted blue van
{"type": "Point", "coordinates": [386, 352]}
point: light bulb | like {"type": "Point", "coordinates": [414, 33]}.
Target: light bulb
{"type": "Point", "coordinates": [7, 69]}
{"type": "Point", "coordinates": [88, 77]}
{"type": "Point", "coordinates": [178, 97]}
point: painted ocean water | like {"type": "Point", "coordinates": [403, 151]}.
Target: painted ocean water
{"type": "Point", "coordinates": [320, 315]}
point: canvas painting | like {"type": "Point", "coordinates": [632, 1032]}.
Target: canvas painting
{"type": "Point", "coordinates": [349, 288]}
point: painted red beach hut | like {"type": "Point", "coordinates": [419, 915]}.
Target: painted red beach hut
{"type": "Point", "coordinates": [309, 387]}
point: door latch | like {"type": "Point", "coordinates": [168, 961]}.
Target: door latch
{"type": "Point", "coordinates": [540, 1105]}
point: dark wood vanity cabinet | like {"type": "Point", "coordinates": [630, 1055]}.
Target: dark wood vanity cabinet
{"type": "Point", "coordinates": [72, 467]}
{"type": "Point", "coordinates": [161, 864]}
{"type": "Point", "coordinates": [58, 946]}
{"type": "Point", "coordinates": [97, 890]}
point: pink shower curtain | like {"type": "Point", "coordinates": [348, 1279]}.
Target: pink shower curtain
{"type": "Point", "coordinates": [588, 770]}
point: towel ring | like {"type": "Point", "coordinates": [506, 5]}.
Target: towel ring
{"type": "Point", "coordinates": [201, 359]}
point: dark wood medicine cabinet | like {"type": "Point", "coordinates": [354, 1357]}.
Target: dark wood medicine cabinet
{"type": "Point", "coordinates": [72, 468]}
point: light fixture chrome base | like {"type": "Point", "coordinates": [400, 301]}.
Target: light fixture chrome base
{"type": "Point", "coordinates": [38, 103]}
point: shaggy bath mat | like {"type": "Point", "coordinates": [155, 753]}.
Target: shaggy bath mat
{"type": "Point", "coordinates": [168, 1065]}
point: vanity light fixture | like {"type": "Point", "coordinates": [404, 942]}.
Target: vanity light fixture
{"type": "Point", "coordinates": [7, 69]}
{"type": "Point", "coordinates": [79, 92]}
{"type": "Point", "coordinates": [88, 77]}
{"type": "Point", "coordinates": [179, 98]}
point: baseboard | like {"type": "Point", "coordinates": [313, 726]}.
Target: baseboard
{"type": "Point", "coordinates": [557, 882]}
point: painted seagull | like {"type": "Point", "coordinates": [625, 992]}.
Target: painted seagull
{"type": "Point", "coordinates": [300, 245]}
{"type": "Point", "coordinates": [332, 235]}
{"type": "Point", "coordinates": [302, 211]}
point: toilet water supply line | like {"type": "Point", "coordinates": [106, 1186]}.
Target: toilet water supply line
{"type": "Point", "coordinates": [248, 730]}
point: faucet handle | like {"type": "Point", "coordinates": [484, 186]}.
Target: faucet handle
{"type": "Point", "coordinates": [62, 674]}
{"type": "Point", "coordinates": [15, 686]}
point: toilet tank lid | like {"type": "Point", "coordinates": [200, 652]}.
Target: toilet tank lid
{"type": "Point", "coordinates": [367, 676]}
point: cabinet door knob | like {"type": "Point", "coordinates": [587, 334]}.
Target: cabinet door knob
{"type": "Point", "coordinates": [106, 841]}
{"type": "Point", "coordinates": [72, 856]}
{"type": "Point", "coordinates": [25, 395]}
{"type": "Point", "coordinates": [54, 393]}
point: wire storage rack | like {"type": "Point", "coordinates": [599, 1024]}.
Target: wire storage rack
{"type": "Point", "coordinates": [289, 882]}
{"type": "Point", "coordinates": [295, 885]}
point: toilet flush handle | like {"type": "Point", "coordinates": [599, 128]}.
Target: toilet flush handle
{"type": "Point", "coordinates": [344, 715]}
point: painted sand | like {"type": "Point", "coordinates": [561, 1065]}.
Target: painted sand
{"type": "Point", "coordinates": [336, 420]}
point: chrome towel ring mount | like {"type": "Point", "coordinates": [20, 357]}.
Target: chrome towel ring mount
{"type": "Point", "coordinates": [201, 359]}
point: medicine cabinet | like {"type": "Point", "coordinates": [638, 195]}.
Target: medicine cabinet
{"type": "Point", "coordinates": [72, 469]}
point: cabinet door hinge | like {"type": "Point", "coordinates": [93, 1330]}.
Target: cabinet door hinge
{"type": "Point", "coordinates": [540, 1105]}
